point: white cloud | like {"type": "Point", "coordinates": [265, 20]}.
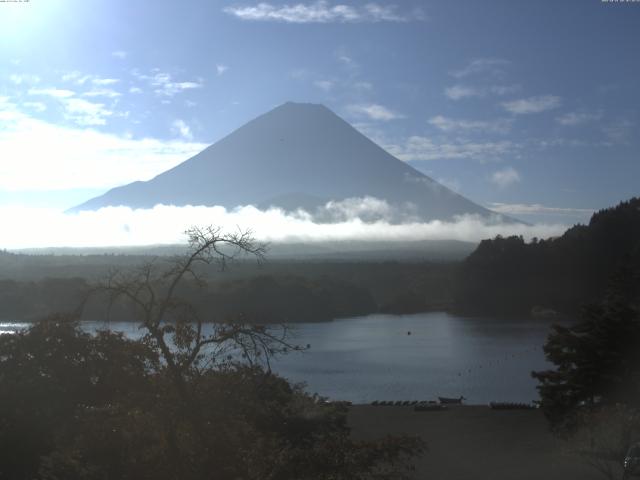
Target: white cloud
{"type": "Point", "coordinates": [179, 127]}
{"type": "Point", "coordinates": [325, 85]}
{"type": "Point", "coordinates": [166, 225]}
{"type": "Point", "coordinates": [494, 66]}
{"type": "Point", "coordinates": [537, 104]}
{"type": "Point", "coordinates": [450, 125]}
{"type": "Point", "coordinates": [505, 177]}
{"type": "Point", "coordinates": [19, 79]}
{"type": "Point", "coordinates": [66, 158]}
{"type": "Point", "coordinates": [51, 92]}
{"type": "Point", "coordinates": [104, 81]}
{"type": "Point", "coordinates": [102, 92]}
{"type": "Point", "coordinates": [322, 12]}
{"type": "Point", "coordinates": [536, 209]}
{"type": "Point", "coordinates": [374, 112]}
{"type": "Point", "coordinates": [424, 148]}
{"type": "Point", "coordinates": [121, 54]}
{"type": "Point", "coordinates": [221, 69]}
{"type": "Point", "coordinates": [84, 112]}
{"type": "Point", "coordinates": [577, 118]}
{"type": "Point", "coordinates": [135, 90]}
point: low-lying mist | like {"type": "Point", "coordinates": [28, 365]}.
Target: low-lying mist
{"type": "Point", "coordinates": [352, 219]}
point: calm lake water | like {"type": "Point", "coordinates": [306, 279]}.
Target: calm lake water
{"type": "Point", "coordinates": [374, 358]}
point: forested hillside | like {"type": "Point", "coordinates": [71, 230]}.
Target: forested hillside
{"type": "Point", "coordinates": [511, 276]}
{"type": "Point", "coordinates": [272, 292]}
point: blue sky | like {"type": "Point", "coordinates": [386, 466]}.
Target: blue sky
{"type": "Point", "coordinates": [530, 108]}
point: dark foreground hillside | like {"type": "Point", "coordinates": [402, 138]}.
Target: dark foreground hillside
{"type": "Point", "coordinates": [510, 276]}
{"type": "Point", "coordinates": [475, 442]}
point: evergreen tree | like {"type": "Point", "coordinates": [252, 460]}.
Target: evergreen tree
{"type": "Point", "coordinates": [597, 360]}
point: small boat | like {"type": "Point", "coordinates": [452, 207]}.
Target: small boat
{"type": "Point", "coordinates": [447, 400]}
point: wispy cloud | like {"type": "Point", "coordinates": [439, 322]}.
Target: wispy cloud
{"type": "Point", "coordinates": [452, 125]}
{"type": "Point", "coordinates": [374, 112]}
{"type": "Point", "coordinates": [23, 78]}
{"type": "Point", "coordinates": [102, 92]}
{"type": "Point", "coordinates": [76, 77]}
{"type": "Point", "coordinates": [80, 78]}
{"type": "Point", "coordinates": [84, 112]}
{"type": "Point", "coordinates": [163, 83]}
{"type": "Point", "coordinates": [121, 54]}
{"type": "Point", "coordinates": [35, 106]}
{"type": "Point", "coordinates": [367, 86]}
{"type": "Point", "coordinates": [221, 69]}
{"type": "Point", "coordinates": [180, 128]}
{"type": "Point", "coordinates": [419, 148]}
{"type": "Point", "coordinates": [104, 81]}
{"type": "Point", "coordinates": [504, 89]}
{"type": "Point", "coordinates": [325, 85]}
{"type": "Point", "coordinates": [458, 92]}
{"type": "Point", "coordinates": [323, 12]}
{"type": "Point", "coordinates": [536, 209]}
{"type": "Point", "coordinates": [51, 92]}
{"type": "Point", "coordinates": [493, 66]}
{"type": "Point", "coordinates": [577, 118]}
{"type": "Point", "coordinates": [530, 105]}
{"type": "Point", "coordinates": [619, 131]}
{"type": "Point", "coordinates": [505, 177]}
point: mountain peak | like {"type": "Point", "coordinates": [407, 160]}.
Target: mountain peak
{"type": "Point", "coordinates": [295, 151]}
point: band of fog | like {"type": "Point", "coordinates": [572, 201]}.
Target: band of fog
{"type": "Point", "coordinates": [123, 226]}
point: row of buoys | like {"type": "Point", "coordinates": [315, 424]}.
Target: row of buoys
{"type": "Point", "coordinates": [402, 403]}
{"type": "Point", "coordinates": [499, 361]}
{"type": "Point", "coordinates": [511, 406]}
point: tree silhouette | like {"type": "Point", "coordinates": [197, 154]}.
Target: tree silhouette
{"type": "Point", "coordinates": [188, 400]}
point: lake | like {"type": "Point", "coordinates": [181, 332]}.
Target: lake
{"type": "Point", "coordinates": [375, 358]}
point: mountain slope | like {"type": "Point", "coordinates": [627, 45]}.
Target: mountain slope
{"type": "Point", "coordinates": [297, 155]}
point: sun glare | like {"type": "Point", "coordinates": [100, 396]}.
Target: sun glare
{"type": "Point", "coordinates": [24, 19]}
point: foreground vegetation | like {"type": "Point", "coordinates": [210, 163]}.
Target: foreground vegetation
{"type": "Point", "coordinates": [178, 403]}
{"type": "Point", "coordinates": [592, 396]}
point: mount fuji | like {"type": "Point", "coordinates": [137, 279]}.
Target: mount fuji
{"type": "Point", "coordinates": [296, 156]}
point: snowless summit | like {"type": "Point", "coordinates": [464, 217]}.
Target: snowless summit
{"type": "Point", "coordinates": [298, 155]}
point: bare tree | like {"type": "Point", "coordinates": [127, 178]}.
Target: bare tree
{"type": "Point", "coordinates": [186, 343]}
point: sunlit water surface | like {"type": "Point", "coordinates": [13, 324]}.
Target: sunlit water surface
{"type": "Point", "coordinates": [407, 357]}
